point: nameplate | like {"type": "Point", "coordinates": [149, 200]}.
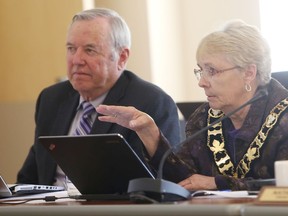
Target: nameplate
{"type": "Point", "coordinates": [273, 195]}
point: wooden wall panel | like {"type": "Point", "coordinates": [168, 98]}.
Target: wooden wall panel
{"type": "Point", "coordinates": [32, 56]}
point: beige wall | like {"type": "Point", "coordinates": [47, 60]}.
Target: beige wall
{"type": "Point", "coordinates": [17, 127]}
{"type": "Point", "coordinates": [135, 14]}
{"type": "Point", "coordinates": [165, 34]}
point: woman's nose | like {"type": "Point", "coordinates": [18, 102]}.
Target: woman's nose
{"type": "Point", "coordinates": [203, 82]}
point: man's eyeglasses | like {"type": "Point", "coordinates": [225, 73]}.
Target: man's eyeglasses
{"type": "Point", "coordinates": [210, 71]}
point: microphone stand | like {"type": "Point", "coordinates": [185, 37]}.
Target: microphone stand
{"type": "Point", "coordinates": [163, 190]}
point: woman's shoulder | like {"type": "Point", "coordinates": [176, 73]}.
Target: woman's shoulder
{"type": "Point", "coordinates": [278, 101]}
{"type": "Point", "coordinates": [277, 92]}
{"type": "Point", "coordinates": [198, 119]}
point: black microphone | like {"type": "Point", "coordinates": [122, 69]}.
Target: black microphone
{"type": "Point", "coordinates": [163, 190]}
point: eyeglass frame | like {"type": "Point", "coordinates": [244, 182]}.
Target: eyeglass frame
{"type": "Point", "coordinates": [199, 72]}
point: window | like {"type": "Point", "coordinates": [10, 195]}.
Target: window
{"type": "Point", "coordinates": [274, 17]}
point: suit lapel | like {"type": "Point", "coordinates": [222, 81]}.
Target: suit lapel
{"type": "Point", "coordinates": [66, 114]}
{"type": "Point", "coordinates": [113, 98]}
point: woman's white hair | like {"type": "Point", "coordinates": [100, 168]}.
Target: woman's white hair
{"type": "Point", "coordinates": [242, 44]}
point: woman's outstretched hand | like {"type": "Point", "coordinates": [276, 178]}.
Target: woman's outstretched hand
{"type": "Point", "coordinates": [135, 120]}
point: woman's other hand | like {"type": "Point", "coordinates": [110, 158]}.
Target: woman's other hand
{"type": "Point", "coordinates": [199, 182]}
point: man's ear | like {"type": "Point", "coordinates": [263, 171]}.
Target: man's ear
{"type": "Point", "coordinates": [123, 58]}
{"type": "Point", "coordinates": [250, 73]}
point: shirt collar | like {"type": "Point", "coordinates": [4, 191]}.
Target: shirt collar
{"type": "Point", "coordinates": [95, 102]}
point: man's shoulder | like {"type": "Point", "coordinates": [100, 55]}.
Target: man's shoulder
{"type": "Point", "coordinates": [60, 86]}
{"type": "Point", "coordinates": [137, 82]}
{"type": "Point", "coordinates": [61, 89]}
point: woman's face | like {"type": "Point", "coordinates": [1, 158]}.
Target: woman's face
{"type": "Point", "coordinates": [223, 82]}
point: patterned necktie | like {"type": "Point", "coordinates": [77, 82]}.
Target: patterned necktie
{"type": "Point", "coordinates": [86, 121]}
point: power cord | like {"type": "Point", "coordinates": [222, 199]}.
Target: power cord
{"type": "Point", "coordinates": [22, 201]}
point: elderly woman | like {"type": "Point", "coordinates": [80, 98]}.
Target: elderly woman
{"type": "Point", "coordinates": [234, 64]}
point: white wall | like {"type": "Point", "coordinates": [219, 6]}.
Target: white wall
{"type": "Point", "coordinates": [189, 21]}
{"type": "Point", "coordinates": [166, 37]}
{"type": "Point", "coordinates": [166, 45]}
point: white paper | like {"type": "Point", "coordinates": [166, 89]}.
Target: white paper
{"type": "Point", "coordinates": [228, 194]}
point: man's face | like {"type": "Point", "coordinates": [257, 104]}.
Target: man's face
{"type": "Point", "coordinates": [92, 67]}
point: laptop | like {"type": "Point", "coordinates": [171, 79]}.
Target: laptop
{"type": "Point", "coordinates": [25, 189]}
{"type": "Point", "coordinates": [98, 164]}
{"type": "Point", "coordinates": [4, 189]}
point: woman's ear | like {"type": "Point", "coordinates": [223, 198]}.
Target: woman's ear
{"type": "Point", "coordinates": [250, 73]}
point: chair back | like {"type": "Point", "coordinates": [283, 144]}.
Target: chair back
{"type": "Point", "coordinates": [282, 77]}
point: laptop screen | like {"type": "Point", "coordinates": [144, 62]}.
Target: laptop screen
{"type": "Point", "coordinates": [96, 164]}
{"type": "Point", "coordinates": [4, 189]}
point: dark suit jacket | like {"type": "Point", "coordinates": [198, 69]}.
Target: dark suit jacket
{"type": "Point", "coordinates": [56, 107]}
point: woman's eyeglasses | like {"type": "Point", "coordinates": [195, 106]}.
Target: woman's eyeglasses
{"type": "Point", "coordinates": [210, 72]}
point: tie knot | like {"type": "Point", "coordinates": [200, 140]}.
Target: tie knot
{"type": "Point", "coordinates": [88, 108]}
{"type": "Point", "coordinates": [86, 120]}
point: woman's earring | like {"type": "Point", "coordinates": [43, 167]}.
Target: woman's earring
{"type": "Point", "coordinates": [248, 87]}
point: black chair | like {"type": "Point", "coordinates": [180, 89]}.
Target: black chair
{"type": "Point", "coordinates": [282, 77]}
{"type": "Point", "coordinates": [186, 108]}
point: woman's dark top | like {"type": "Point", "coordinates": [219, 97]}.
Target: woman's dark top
{"type": "Point", "coordinates": [196, 157]}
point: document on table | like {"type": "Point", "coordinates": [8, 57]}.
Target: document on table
{"type": "Point", "coordinates": [228, 194]}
